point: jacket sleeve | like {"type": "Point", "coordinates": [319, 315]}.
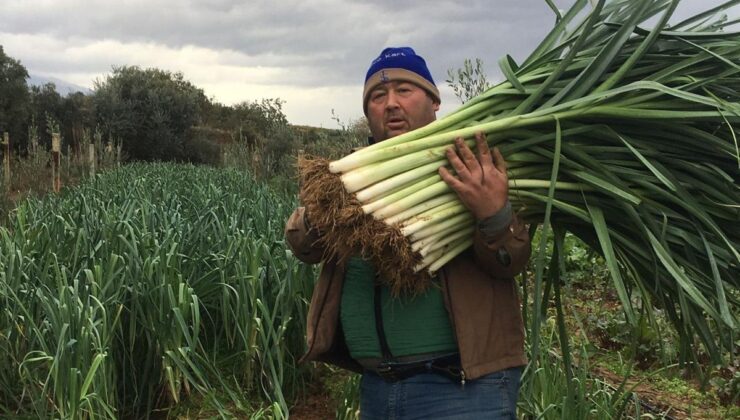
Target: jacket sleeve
{"type": "Point", "coordinates": [302, 239]}
{"type": "Point", "coordinates": [503, 253]}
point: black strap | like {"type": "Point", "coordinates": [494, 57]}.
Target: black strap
{"type": "Point", "coordinates": [387, 356]}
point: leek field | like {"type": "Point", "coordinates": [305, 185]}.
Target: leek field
{"type": "Point", "coordinates": [166, 291]}
{"type": "Point", "coordinates": [146, 286]}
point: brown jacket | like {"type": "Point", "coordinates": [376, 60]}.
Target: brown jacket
{"type": "Point", "coordinates": [480, 296]}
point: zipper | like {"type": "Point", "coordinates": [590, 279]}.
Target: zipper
{"type": "Point", "coordinates": [442, 274]}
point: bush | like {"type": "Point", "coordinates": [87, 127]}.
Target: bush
{"type": "Point", "coordinates": [149, 110]}
{"type": "Point", "coordinates": [205, 145]}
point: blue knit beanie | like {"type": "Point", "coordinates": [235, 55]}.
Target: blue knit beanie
{"type": "Point", "coordinates": [400, 63]}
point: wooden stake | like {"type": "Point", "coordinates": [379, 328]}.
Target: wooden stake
{"type": "Point", "coordinates": [91, 156]}
{"type": "Point", "coordinates": [56, 149]}
{"type": "Point", "coordinates": [6, 161]}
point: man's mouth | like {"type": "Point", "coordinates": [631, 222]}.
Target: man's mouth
{"type": "Point", "coordinates": [395, 123]}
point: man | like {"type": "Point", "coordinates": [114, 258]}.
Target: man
{"type": "Point", "coordinates": [456, 350]}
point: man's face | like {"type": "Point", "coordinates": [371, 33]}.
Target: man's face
{"type": "Point", "coordinates": [396, 107]}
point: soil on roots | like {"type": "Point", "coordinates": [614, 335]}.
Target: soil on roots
{"type": "Point", "coordinates": [346, 231]}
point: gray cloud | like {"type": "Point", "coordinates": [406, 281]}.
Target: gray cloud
{"type": "Point", "coordinates": [337, 39]}
{"type": "Point", "coordinates": [315, 43]}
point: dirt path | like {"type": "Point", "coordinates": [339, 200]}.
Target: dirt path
{"type": "Point", "coordinates": [318, 404]}
{"type": "Point", "coordinates": [314, 407]}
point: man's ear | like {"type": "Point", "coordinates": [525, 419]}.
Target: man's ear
{"type": "Point", "coordinates": [435, 106]}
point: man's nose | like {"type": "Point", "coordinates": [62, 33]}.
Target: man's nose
{"type": "Point", "coordinates": [392, 101]}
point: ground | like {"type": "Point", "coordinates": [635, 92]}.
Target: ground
{"type": "Point", "coordinates": [320, 402]}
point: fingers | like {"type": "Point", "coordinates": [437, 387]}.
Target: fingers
{"type": "Point", "coordinates": [480, 179]}
{"type": "Point", "coordinates": [484, 152]}
{"type": "Point", "coordinates": [448, 178]}
{"type": "Point", "coordinates": [498, 160]}
{"type": "Point", "coordinates": [463, 160]}
{"type": "Point", "coordinates": [469, 166]}
{"type": "Point", "coordinates": [467, 155]}
{"type": "Point", "coordinates": [480, 141]}
{"type": "Point", "coordinates": [460, 168]}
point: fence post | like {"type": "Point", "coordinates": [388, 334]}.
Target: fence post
{"type": "Point", "coordinates": [91, 157]}
{"type": "Point", "coordinates": [56, 151]}
{"type": "Point", "coordinates": [6, 161]}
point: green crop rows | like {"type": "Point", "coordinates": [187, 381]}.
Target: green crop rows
{"type": "Point", "coordinates": [163, 290]}
{"type": "Point", "coordinates": [144, 286]}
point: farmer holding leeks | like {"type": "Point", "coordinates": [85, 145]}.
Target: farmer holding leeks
{"type": "Point", "coordinates": [456, 347]}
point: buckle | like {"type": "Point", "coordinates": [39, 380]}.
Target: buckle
{"type": "Point", "coordinates": [394, 372]}
{"type": "Point", "coordinates": [385, 371]}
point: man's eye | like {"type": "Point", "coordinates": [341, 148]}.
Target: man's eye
{"type": "Point", "coordinates": [377, 95]}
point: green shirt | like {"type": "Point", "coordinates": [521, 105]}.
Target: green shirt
{"type": "Point", "coordinates": [413, 325]}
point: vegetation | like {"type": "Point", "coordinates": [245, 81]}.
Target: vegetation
{"type": "Point", "coordinates": [165, 290]}
{"type": "Point", "coordinates": [468, 81]}
{"type": "Point", "coordinates": [149, 110]}
{"type": "Point", "coordinates": [154, 114]}
{"type": "Point", "coordinates": [13, 95]}
{"type": "Point", "coordinates": [182, 271]}
{"type": "Point", "coordinates": [146, 285]}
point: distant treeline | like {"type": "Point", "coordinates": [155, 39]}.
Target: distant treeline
{"type": "Point", "coordinates": [157, 115]}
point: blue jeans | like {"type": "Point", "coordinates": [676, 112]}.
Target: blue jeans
{"type": "Point", "coordinates": [433, 396]}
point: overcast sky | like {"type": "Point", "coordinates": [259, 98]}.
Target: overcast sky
{"type": "Point", "coordinates": [313, 54]}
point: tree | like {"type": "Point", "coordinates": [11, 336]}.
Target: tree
{"type": "Point", "coordinates": [468, 81]}
{"type": "Point", "coordinates": [248, 120]}
{"type": "Point", "coordinates": [13, 97]}
{"type": "Point", "coordinates": [45, 107]}
{"type": "Point", "coordinates": [76, 116]}
{"type": "Point", "coordinates": [149, 110]}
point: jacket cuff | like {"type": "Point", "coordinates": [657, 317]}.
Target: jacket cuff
{"type": "Point", "coordinates": [493, 226]}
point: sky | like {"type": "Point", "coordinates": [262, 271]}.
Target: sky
{"type": "Point", "coordinates": [312, 54]}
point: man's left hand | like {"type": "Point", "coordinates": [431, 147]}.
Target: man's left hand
{"type": "Point", "coordinates": [481, 182]}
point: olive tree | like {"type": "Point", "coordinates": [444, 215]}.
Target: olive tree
{"type": "Point", "coordinates": [149, 110]}
{"type": "Point", "coordinates": [13, 96]}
